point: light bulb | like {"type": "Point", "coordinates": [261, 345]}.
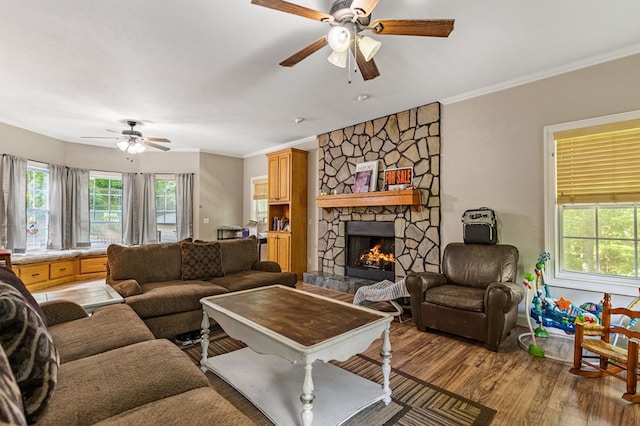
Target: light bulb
{"type": "Point", "coordinates": [123, 145]}
{"type": "Point", "coordinates": [339, 38]}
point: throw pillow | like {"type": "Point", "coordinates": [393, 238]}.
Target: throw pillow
{"type": "Point", "coordinates": [11, 409]}
{"type": "Point", "coordinates": [201, 261]}
{"type": "Point", "coordinates": [29, 347]}
{"type": "Point", "coordinates": [127, 288]}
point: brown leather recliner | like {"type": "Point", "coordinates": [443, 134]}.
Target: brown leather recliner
{"type": "Point", "coordinates": [476, 295]}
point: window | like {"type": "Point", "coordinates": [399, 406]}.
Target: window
{"type": "Point", "coordinates": [259, 189]}
{"type": "Point", "coordinates": [37, 206]}
{"type": "Point", "coordinates": [166, 208]}
{"type": "Point", "coordinates": [105, 208]}
{"type": "Point", "coordinates": [593, 203]}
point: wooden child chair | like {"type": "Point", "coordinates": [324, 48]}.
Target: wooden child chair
{"type": "Point", "coordinates": [616, 361]}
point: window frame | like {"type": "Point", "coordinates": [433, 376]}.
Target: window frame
{"type": "Point", "coordinates": [95, 174]}
{"type": "Point", "coordinates": [253, 216]}
{"type": "Point", "coordinates": [552, 232]}
{"type": "Point", "coordinates": [36, 165]}
{"type": "Point", "coordinates": [165, 177]}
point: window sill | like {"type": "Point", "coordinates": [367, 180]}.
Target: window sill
{"type": "Point", "coordinates": [629, 288]}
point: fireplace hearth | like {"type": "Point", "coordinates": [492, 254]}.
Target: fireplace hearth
{"type": "Point", "coordinates": [370, 250]}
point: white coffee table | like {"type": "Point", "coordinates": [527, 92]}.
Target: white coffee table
{"type": "Point", "coordinates": [287, 330]}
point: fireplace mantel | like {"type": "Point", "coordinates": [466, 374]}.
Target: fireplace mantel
{"type": "Point", "coordinates": [399, 197]}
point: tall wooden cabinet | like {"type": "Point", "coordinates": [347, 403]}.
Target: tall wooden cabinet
{"type": "Point", "coordinates": [287, 234]}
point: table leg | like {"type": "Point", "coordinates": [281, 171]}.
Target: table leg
{"type": "Point", "coordinates": [307, 395]}
{"type": "Point", "coordinates": [386, 366]}
{"type": "Point", "coordinates": [204, 342]}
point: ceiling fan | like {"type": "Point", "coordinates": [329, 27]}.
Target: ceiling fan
{"type": "Point", "coordinates": [348, 18]}
{"type": "Point", "coordinates": [132, 140]}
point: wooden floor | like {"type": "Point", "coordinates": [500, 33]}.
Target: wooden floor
{"type": "Point", "coordinates": [524, 390]}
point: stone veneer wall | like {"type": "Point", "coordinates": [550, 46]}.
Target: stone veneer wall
{"type": "Point", "coordinates": [406, 139]}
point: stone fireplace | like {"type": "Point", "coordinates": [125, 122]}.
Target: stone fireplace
{"type": "Point", "coordinates": [406, 139]}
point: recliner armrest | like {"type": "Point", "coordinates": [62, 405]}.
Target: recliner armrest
{"type": "Point", "coordinates": [59, 311]}
{"type": "Point", "coordinates": [503, 295]}
{"type": "Point", "coordinates": [419, 282]}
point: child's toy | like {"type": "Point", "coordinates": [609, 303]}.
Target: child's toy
{"type": "Point", "coordinates": [548, 312]}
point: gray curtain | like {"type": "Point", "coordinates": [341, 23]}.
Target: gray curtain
{"type": "Point", "coordinates": [76, 220]}
{"type": "Point", "coordinates": [184, 205]}
{"type": "Point", "coordinates": [14, 205]}
{"type": "Point", "coordinates": [149, 222]}
{"type": "Point", "coordinates": [57, 198]}
{"type": "Point", "coordinates": [130, 228]}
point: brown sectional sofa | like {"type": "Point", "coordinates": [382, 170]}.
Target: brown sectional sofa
{"type": "Point", "coordinates": [59, 366]}
{"type": "Point", "coordinates": [163, 283]}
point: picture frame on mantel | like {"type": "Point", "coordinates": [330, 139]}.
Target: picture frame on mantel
{"type": "Point", "coordinates": [366, 177]}
{"type": "Point", "coordinates": [398, 178]}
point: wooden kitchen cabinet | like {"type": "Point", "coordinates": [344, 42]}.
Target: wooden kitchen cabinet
{"type": "Point", "coordinates": [279, 249]}
{"type": "Point", "coordinates": [287, 198]}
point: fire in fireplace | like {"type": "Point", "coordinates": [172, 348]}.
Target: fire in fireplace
{"type": "Point", "coordinates": [370, 250]}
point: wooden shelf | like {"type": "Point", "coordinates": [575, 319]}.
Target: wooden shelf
{"type": "Point", "coordinates": [400, 197]}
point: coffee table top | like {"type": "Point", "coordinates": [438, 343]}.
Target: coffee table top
{"type": "Point", "coordinates": [305, 318]}
{"type": "Point", "coordinates": [89, 297]}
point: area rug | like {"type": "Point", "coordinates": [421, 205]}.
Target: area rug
{"type": "Point", "coordinates": [414, 402]}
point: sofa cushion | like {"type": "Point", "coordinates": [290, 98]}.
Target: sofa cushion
{"type": "Point", "coordinates": [243, 280]}
{"type": "Point", "coordinates": [239, 254]}
{"type": "Point", "coordinates": [100, 386]}
{"type": "Point", "coordinates": [108, 328]}
{"type": "Point", "coordinates": [201, 260]}
{"type": "Point", "coordinates": [146, 263]}
{"type": "Point", "coordinates": [30, 350]}
{"type": "Point", "coordinates": [188, 408]}
{"type": "Point", "coordinates": [456, 297]}
{"type": "Point", "coordinates": [170, 297]}
{"type": "Point", "coordinates": [11, 408]}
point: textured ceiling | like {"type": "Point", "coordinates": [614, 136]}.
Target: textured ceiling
{"type": "Point", "coordinates": [205, 74]}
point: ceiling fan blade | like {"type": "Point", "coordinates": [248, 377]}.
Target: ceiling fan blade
{"type": "Point", "coordinates": [413, 27]}
{"type": "Point", "coordinates": [295, 9]}
{"type": "Point", "coordinates": [153, 145]}
{"type": "Point", "coordinates": [300, 55]}
{"type": "Point", "coordinates": [156, 139]}
{"type": "Point", "coordinates": [368, 69]}
{"type": "Point", "coordinates": [113, 131]}
{"type": "Point", "coordinates": [363, 7]}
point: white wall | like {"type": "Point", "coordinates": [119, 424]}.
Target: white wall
{"type": "Point", "coordinates": [492, 151]}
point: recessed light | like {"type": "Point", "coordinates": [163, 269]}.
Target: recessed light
{"type": "Point", "coordinates": [362, 97]}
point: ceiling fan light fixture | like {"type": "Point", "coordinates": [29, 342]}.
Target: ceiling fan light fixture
{"type": "Point", "coordinates": [339, 59]}
{"type": "Point", "coordinates": [123, 145]}
{"type": "Point", "coordinates": [368, 46]}
{"type": "Point", "coordinates": [137, 148]}
{"type": "Point", "coordinates": [339, 38]}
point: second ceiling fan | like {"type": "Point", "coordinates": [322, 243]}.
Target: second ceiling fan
{"type": "Point", "coordinates": [348, 18]}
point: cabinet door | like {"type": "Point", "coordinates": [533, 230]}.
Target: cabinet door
{"type": "Point", "coordinates": [279, 249]}
{"type": "Point", "coordinates": [33, 274]}
{"type": "Point", "coordinates": [273, 178]}
{"type": "Point", "coordinates": [284, 174]}
{"type": "Point", "coordinates": [284, 252]}
{"type": "Point", "coordinates": [61, 269]}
